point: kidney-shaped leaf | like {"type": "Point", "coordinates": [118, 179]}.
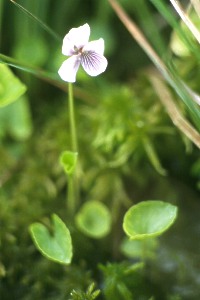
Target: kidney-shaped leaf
{"type": "Point", "coordinates": [94, 219]}
{"type": "Point", "coordinates": [56, 246]}
{"type": "Point", "coordinates": [11, 88]}
{"type": "Point", "coordinates": [149, 219]}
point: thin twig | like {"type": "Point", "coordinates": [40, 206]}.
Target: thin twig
{"type": "Point", "coordinates": [172, 109]}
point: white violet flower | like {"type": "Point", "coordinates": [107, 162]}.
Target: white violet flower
{"type": "Point", "coordinates": [82, 52]}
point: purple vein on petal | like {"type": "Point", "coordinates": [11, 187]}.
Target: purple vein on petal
{"type": "Point", "coordinates": [93, 63]}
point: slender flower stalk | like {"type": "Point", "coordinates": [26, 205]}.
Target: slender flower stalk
{"type": "Point", "coordinates": [71, 195]}
{"type": "Point", "coordinates": [90, 56]}
{"type": "Point", "coordinates": [72, 191]}
{"type": "Point", "coordinates": [74, 143]}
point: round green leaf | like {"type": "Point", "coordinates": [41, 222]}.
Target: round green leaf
{"type": "Point", "coordinates": [149, 219]}
{"type": "Point", "coordinates": [68, 160]}
{"type": "Point", "coordinates": [56, 246]}
{"type": "Point", "coordinates": [94, 219]}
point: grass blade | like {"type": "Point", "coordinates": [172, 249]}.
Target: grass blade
{"type": "Point", "coordinates": [175, 24]}
{"type": "Point", "coordinates": [169, 74]}
{"type": "Point", "coordinates": [173, 110]}
{"type": "Point", "coordinates": [147, 21]}
{"type": "Point", "coordinates": [195, 32]}
{"type": "Point", "coordinates": [41, 23]}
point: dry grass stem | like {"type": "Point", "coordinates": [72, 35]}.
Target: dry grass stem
{"type": "Point", "coordinates": [139, 37]}
{"type": "Point", "coordinates": [173, 111]}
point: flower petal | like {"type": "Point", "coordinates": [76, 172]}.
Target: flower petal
{"type": "Point", "coordinates": [69, 68]}
{"type": "Point", "coordinates": [77, 37]}
{"type": "Point", "coordinates": [93, 63]}
{"type": "Point", "coordinates": [95, 46]}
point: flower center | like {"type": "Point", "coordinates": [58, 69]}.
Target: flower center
{"type": "Point", "coordinates": [78, 50]}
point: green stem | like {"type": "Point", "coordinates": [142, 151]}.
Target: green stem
{"type": "Point", "coordinates": [71, 198]}
{"type": "Point", "coordinates": [72, 193]}
{"type": "Point", "coordinates": [72, 119]}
